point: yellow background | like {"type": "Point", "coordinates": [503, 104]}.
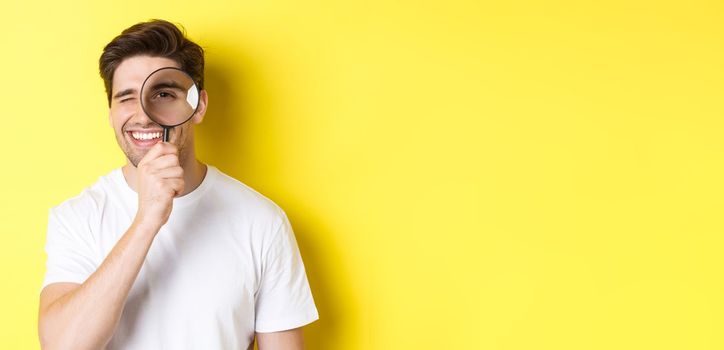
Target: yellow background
{"type": "Point", "coordinates": [460, 175]}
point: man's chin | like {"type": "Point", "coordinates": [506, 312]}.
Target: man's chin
{"type": "Point", "coordinates": [134, 159]}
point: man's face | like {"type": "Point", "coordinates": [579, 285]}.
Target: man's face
{"type": "Point", "coordinates": [135, 132]}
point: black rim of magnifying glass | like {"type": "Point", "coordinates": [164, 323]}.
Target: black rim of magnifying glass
{"type": "Point", "coordinates": [166, 128]}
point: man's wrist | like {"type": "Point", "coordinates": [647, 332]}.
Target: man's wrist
{"type": "Point", "coordinates": [145, 226]}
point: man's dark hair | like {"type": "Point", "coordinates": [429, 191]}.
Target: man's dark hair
{"type": "Point", "coordinates": [157, 38]}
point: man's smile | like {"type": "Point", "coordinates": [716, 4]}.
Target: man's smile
{"type": "Point", "coordinates": [145, 138]}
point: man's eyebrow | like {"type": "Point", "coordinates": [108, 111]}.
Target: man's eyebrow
{"type": "Point", "coordinates": [166, 85]}
{"type": "Point", "coordinates": [124, 93]}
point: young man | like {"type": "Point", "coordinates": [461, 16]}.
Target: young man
{"type": "Point", "coordinates": [167, 252]}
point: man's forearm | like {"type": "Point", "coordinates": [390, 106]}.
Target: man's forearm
{"type": "Point", "coordinates": [87, 317]}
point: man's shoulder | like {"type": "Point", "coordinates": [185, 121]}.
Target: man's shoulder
{"type": "Point", "coordinates": [235, 194]}
{"type": "Point", "coordinates": [90, 199]}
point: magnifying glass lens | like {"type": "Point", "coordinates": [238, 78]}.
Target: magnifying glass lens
{"type": "Point", "coordinates": [169, 97]}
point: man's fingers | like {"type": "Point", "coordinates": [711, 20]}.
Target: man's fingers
{"type": "Point", "coordinates": [171, 172]}
{"type": "Point", "coordinates": [158, 150]}
{"type": "Point", "coordinates": [162, 162]}
{"type": "Point", "coordinates": [152, 153]}
{"type": "Point", "coordinates": [176, 184]}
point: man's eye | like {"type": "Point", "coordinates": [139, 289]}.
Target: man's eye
{"type": "Point", "coordinates": [164, 95]}
{"type": "Point", "coordinates": [126, 99]}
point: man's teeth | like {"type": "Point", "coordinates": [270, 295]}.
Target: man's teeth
{"type": "Point", "coordinates": [145, 135]}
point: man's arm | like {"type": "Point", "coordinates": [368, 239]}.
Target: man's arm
{"type": "Point", "coordinates": [285, 340]}
{"type": "Point", "coordinates": [84, 316]}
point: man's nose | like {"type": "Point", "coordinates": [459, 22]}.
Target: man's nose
{"type": "Point", "coordinates": [142, 118]}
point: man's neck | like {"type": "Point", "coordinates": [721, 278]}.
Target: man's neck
{"type": "Point", "coordinates": [194, 173]}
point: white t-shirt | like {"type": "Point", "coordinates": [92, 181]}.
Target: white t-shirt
{"type": "Point", "coordinates": [225, 265]}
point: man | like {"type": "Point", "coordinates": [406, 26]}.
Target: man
{"type": "Point", "coordinates": [167, 252]}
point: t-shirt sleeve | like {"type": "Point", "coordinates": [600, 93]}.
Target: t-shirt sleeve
{"type": "Point", "coordinates": [70, 256]}
{"type": "Point", "coordinates": [284, 300]}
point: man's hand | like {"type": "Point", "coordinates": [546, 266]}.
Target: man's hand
{"type": "Point", "coordinates": [159, 180]}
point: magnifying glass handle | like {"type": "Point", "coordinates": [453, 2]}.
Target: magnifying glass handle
{"type": "Point", "coordinates": [165, 134]}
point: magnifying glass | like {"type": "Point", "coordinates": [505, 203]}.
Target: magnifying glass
{"type": "Point", "coordinates": [170, 97]}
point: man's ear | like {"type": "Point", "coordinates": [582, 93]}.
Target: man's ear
{"type": "Point", "coordinates": [201, 111]}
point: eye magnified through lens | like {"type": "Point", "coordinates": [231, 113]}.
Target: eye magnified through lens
{"type": "Point", "coordinates": [170, 97]}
